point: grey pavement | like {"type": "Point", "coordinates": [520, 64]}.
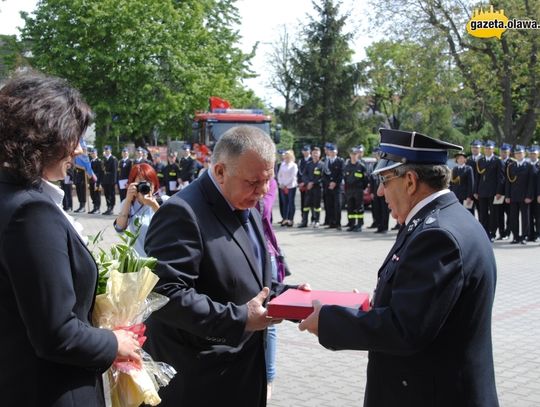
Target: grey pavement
{"type": "Point", "coordinates": [310, 375]}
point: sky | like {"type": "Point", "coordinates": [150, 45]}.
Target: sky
{"type": "Point", "coordinates": [262, 21]}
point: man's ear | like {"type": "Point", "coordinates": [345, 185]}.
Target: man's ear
{"type": "Point", "coordinates": [219, 172]}
{"type": "Point", "coordinates": [412, 182]}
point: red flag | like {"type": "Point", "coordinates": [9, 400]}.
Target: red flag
{"type": "Point", "coordinates": [218, 103]}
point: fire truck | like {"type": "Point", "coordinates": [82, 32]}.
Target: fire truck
{"type": "Point", "coordinates": [209, 126]}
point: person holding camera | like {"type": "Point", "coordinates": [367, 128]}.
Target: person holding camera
{"type": "Point", "coordinates": [143, 199]}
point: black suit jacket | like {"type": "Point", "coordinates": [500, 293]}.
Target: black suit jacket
{"type": "Point", "coordinates": [207, 269]}
{"type": "Point", "coordinates": [520, 181]}
{"type": "Point", "coordinates": [429, 330]}
{"type": "Point", "coordinates": [490, 177]}
{"type": "Point", "coordinates": [109, 170]}
{"type": "Point", "coordinates": [462, 182]}
{"type": "Point", "coordinates": [51, 355]}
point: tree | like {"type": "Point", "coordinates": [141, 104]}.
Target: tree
{"type": "Point", "coordinates": [141, 64]}
{"type": "Point", "coordinates": [283, 79]}
{"type": "Point", "coordinates": [324, 76]}
{"type": "Point", "coordinates": [503, 75]}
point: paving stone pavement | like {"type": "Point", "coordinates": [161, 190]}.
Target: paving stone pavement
{"type": "Point", "coordinates": [310, 376]}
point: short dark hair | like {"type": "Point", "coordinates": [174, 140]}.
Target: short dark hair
{"type": "Point", "coordinates": [437, 177]}
{"type": "Point", "coordinates": [42, 119]}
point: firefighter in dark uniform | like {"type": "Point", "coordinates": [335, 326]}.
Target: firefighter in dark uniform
{"type": "Point", "coordinates": [504, 211]}
{"type": "Point", "coordinates": [141, 157]}
{"type": "Point", "coordinates": [519, 194]}
{"type": "Point", "coordinates": [187, 165]}
{"type": "Point", "coordinates": [124, 168]}
{"type": "Point", "coordinates": [171, 175]}
{"type": "Point", "coordinates": [534, 228]}
{"type": "Point", "coordinates": [462, 180]}
{"type": "Point", "coordinates": [489, 186]}
{"type": "Point", "coordinates": [332, 178]}
{"type": "Point", "coordinates": [159, 166]}
{"type": "Point", "coordinates": [302, 162]}
{"type": "Point", "coordinates": [476, 145]}
{"type": "Point", "coordinates": [95, 185]}
{"type": "Point", "coordinates": [79, 179]}
{"type": "Point", "coordinates": [379, 207]}
{"type": "Point", "coordinates": [108, 182]}
{"type": "Point", "coordinates": [356, 180]}
{"type": "Point", "coordinates": [312, 179]}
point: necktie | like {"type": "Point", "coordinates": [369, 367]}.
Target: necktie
{"type": "Point", "coordinates": [243, 217]}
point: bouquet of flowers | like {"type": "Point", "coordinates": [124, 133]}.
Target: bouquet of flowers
{"type": "Point", "coordinates": [125, 300]}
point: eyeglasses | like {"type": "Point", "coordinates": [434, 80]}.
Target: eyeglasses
{"type": "Point", "coordinates": [383, 179]}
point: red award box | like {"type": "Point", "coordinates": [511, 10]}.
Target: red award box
{"type": "Point", "coordinates": [297, 304]}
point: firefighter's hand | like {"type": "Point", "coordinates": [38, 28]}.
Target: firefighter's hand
{"type": "Point", "coordinates": [310, 185]}
{"type": "Point", "coordinates": [332, 185]}
{"type": "Point", "coordinates": [528, 200]}
{"type": "Point", "coordinates": [311, 323]}
{"type": "Point", "coordinates": [538, 199]}
{"type": "Point", "coordinates": [475, 196]}
{"type": "Point", "coordinates": [507, 200]}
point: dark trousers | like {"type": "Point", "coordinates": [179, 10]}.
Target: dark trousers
{"type": "Point", "coordinates": [95, 195]}
{"type": "Point", "coordinates": [81, 193]}
{"type": "Point", "coordinates": [383, 213]}
{"type": "Point", "coordinates": [123, 193]}
{"type": "Point", "coordinates": [355, 207]}
{"type": "Point", "coordinates": [332, 206]}
{"type": "Point", "coordinates": [517, 208]}
{"type": "Point", "coordinates": [110, 198]}
{"type": "Point", "coordinates": [281, 206]}
{"type": "Point", "coordinates": [488, 215]}
{"type": "Point", "coordinates": [534, 227]}
{"type": "Point", "coordinates": [67, 202]}
{"type": "Point", "coordinates": [504, 220]}
{"type": "Point", "coordinates": [303, 192]}
{"type": "Point", "coordinates": [288, 203]}
{"type": "Point", "coordinates": [312, 202]}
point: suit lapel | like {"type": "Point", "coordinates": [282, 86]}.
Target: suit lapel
{"type": "Point", "coordinates": [226, 217]}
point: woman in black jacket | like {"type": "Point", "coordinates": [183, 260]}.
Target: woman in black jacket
{"type": "Point", "coordinates": [51, 355]}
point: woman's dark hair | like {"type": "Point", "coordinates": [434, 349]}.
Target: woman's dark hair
{"type": "Point", "coordinates": [42, 120]}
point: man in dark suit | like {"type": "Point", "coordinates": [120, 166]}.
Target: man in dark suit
{"type": "Point", "coordinates": [476, 146]}
{"type": "Point", "coordinates": [489, 186]}
{"type": "Point", "coordinates": [519, 194]}
{"type": "Point", "coordinates": [124, 168]}
{"type": "Point", "coordinates": [462, 180]}
{"type": "Point", "coordinates": [186, 165]}
{"type": "Point", "coordinates": [332, 178]}
{"type": "Point", "coordinates": [504, 211]}
{"type": "Point", "coordinates": [429, 329]}
{"type": "Point", "coordinates": [302, 164]}
{"type": "Point", "coordinates": [534, 228]}
{"type": "Point", "coordinates": [213, 265]}
{"type": "Point", "coordinates": [94, 185]}
{"type": "Point", "coordinates": [110, 164]}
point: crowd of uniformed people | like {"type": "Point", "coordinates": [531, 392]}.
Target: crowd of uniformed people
{"type": "Point", "coordinates": [502, 190]}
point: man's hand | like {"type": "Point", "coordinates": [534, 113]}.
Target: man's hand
{"type": "Point", "coordinates": [304, 287]}
{"type": "Point", "coordinates": [258, 318]}
{"type": "Point", "coordinates": [311, 323]}
{"type": "Point", "coordinates": [332, 185]}
{"type": "Point", "coordinates": [528, 200]}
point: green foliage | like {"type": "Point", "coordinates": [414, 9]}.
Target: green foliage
{"type": "Point", "coordinates": [324, 77]}
{"type": "Point", "coordinates": [287, 140]}
{"type": "Point", "coordinates": [141, 64]}
{"type": "Point", "coordinates": [11, 55]}
{"type": "Point", "coordinates": [500, 78]}
{"type": "Point", "coordinates": [121, 257]}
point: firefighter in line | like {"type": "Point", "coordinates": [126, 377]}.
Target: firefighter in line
{"type": "Point", "coordinates": [302, 163]}
{"type": "Point", "coordinates": [94, 186]}
{"type": "Point", "coordinates": [356, 180]}
{"type": "Point", "coordinates": [332, 177]}
{"type": "Point", "coordinates": [312, 179]}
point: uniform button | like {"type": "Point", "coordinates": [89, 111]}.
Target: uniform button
{"type": "Point", "coordinates": [404, 383]}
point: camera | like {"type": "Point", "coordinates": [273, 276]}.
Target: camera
{"type": "Point", "coordinates": [144, 187]}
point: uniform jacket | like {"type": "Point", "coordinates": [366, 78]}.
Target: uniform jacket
{"type": "Point", "coordinates": [208, 271]}
{"type": "Point", "coordinates": [187, 169]}
{"type": "Point", "coordinates": [462, 182]}
{"type": "Point", "coordinates": [355, 176]}
{"type": "Point", "coordinates": [490, 177]}
{"type": "Point", "coordinates": [171, 173]}
{"type": "Point", "coordinates": [333, 172]}
{"type": "Point", "coordinates": [519, 181]}
{"type": "Point", "coordinates": [313, 173]}
{"type": "Point", "coordinates": [302, 164]}
{"type": "Point", "coordinates": [97, 167]}
{"type": "Point", "coordinates": [429, 330]}
{"type": "Point", "coordinates": [51, 355]}
{"type": "Point", "coordinates": [109, 170]}
{"type": "Point", "coordinates": [124, 168]}
{"type": "Point", "coordinates": [471, 162]}
{"type": "Point", "coordinates": [78, 176]}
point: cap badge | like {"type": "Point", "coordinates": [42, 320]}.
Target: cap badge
{"type": "Point", "coordinates": [430, 220]}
